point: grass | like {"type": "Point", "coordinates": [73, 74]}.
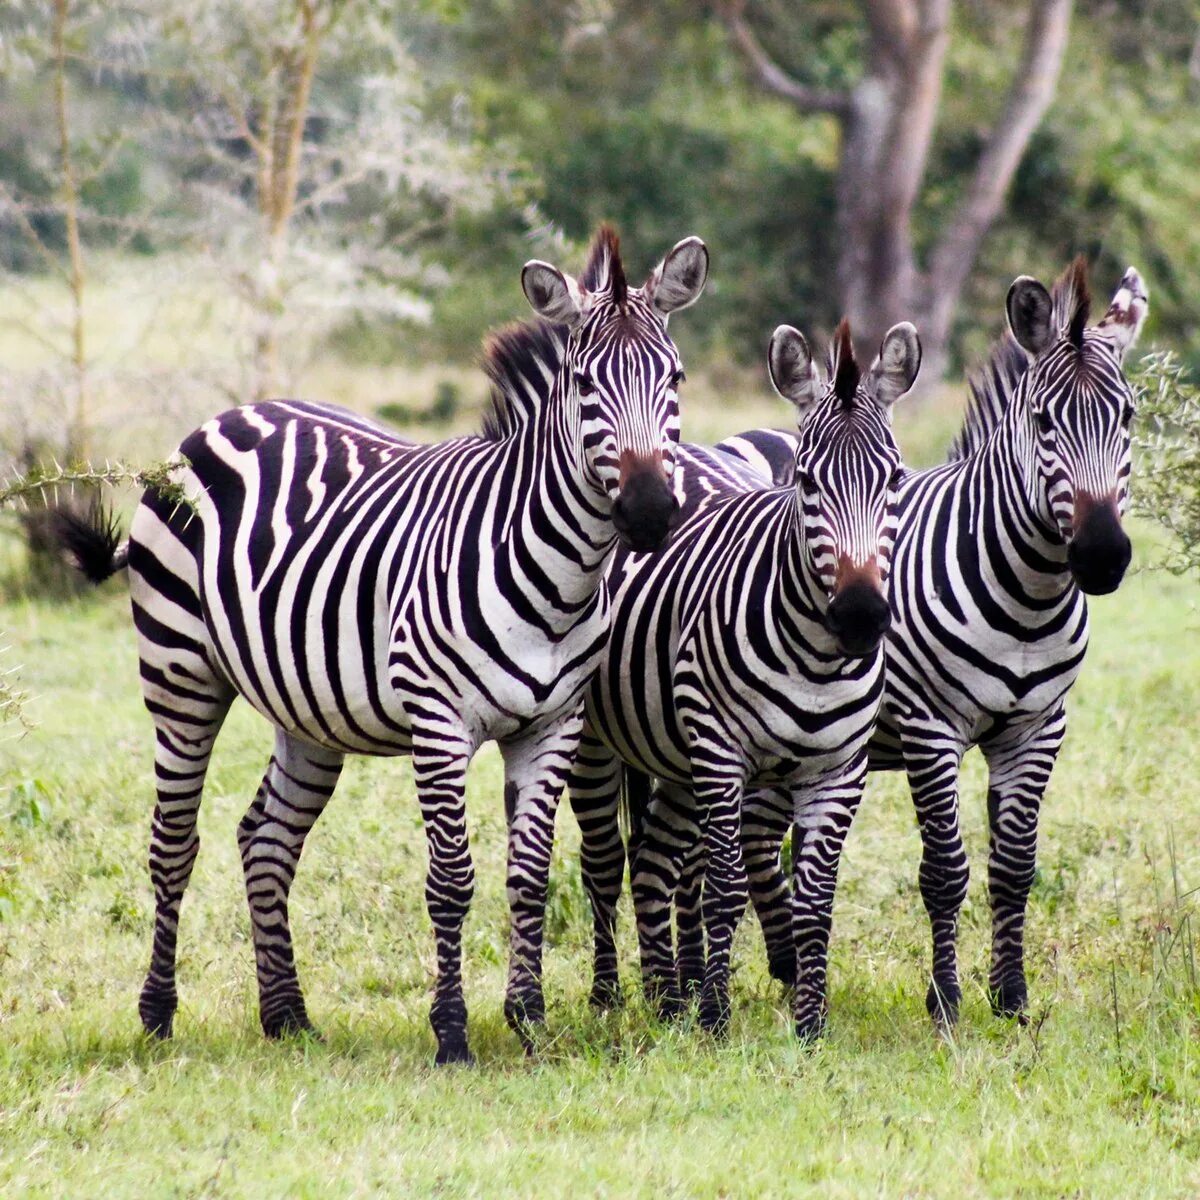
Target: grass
{"type": "Point", "coordinates": [1098, 1096]}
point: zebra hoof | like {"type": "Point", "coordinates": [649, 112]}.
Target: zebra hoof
{"type": "Point", "coordinates": [157, 1012]}
{"type": "Point", "coordinates": [606, 995]}
{"type": "Point", "coordinates": [1009, 999]}
{"type": "Point", "coordinates": [714, 1015]}
{"type": "Point", "coordinates": [941, 1002]}
{"type": "Point", "coordinates": [289, 1023]}
{"type": "Point", "coordinates": [783, 968]}
{"type": "Point", "coordinates": [810, 1028]}
{"type": "Point", "coordinates": [452, 1053]}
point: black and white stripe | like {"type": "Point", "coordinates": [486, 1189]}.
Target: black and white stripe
{"type": "Point", "coordinates": [994, 552]}
{"type": "Point", "coordinates": [372, 596]}
{"type": "Point", "coordinates": [747, 653]}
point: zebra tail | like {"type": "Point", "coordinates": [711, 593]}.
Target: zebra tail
{"type": "Point", "coordinates": [91, 543]}
{"type": "Point", "coordinates": [632, 802]}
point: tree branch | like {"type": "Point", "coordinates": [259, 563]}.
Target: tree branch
{"type": "Point", "coordinates": [772, 77]}
{"type": "Point", "coordinates": [1029, 96]}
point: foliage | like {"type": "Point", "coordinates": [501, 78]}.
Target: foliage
{"type": "Point", "coordinates": [1168, 485]}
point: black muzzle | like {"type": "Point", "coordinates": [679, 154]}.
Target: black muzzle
{"type": "Point", "coordinates": [646, 511]}
{"type": "Point", "coordinates": [1099, 553]}
{"type": "Point", "coordinates": [858, 617]}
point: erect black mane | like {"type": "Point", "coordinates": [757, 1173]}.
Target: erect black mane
{"type": "Point", "coordinates": [994, 384]}
{"type": "Point", "coordinates": [843, 366]}
{"type": "Point", "coordinates": [604, 267]}
{"type": "Point", "coordinates": [522, 361]}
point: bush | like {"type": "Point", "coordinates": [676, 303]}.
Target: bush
{"type": "Point", "coordinates": [1168, 439]}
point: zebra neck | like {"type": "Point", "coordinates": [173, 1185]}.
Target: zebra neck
{"type": "Point", "coordinates": [560, 534]}
{"type": "Point", "coordinates": [800, 594]}
{"type": "Point", "coordinates": [1014, 536]}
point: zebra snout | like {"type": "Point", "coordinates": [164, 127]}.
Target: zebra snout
{"type": "Point", "coordinates": [646, 508]}
{"type": "Point", "coordinates": [1100, 550]}
{"type": "Point", "coordinates": [858, 616]}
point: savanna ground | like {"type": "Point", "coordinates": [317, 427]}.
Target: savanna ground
{"type": "Point", "coordinates": [1098, 1095]}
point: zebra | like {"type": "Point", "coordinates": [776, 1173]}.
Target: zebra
{"type": "Point", "coordinates": [372, 596]}
{"type": "Point", "coordinates": [995, 553]}
{"type": "Point", "coordinates": [748, 652]}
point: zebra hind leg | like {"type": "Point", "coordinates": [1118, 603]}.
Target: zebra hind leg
{"type": "Point", "coordinates": [1017, 779]}
{"type": "Point", "coordinates": [766, 819]}
{"type": "Point", "coordinates": [670, 827]}
{"type": "Point", "coordinates": [594, 790]}
{"type": "Point", "coordinates": [183, 747]}
{"type": "Point", "coordinates": [535, 772]}
{"type": "Point", "coordinates": [295, 789]}
{"type": "Point", "coordinates": [690, 954]}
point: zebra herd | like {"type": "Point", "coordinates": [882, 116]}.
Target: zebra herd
{"type": "Point", "coordinates": [722, 641]}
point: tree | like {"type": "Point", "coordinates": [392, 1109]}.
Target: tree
{"type": "Point", "coordinates": [887, 121]}
{"type": "Point", "coordinates": [316, 171]}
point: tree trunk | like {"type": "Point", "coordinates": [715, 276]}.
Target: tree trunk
{"type": "Point", "coordinates": [887, 124]}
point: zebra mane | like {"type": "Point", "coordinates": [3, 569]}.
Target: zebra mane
{"type": "Point", "coordinates": [993, 385]}
{"type": "Point", "coordinates": [841, 365]}
{"type": "Point", "coordinates": [522, 361]}
{"type": "Point", "coordinates": [604, 267]}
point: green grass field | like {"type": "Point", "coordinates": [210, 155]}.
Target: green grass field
{"type": "Point", "coordinates": [1098, 1096]}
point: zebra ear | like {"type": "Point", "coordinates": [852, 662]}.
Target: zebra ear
{"type": "Point", "coordinates": [679, 279]}
{"type": "Point", "coordinates": [552, 295]}
{"type": "Point", "coordinates": [793, 372]}
{"type": "Point", "coordinates": [895, 367]}
{"type": "Point", "coordinates": [1031, 315]}
{"type": "Point", "coordinates": [1130, 304]}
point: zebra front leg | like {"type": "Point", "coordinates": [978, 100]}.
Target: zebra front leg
{"type": "Point", "coordinates": [766, 819]}
{"type": "Point", "coordinates": [299, 781]}
{"type": "Point", "coordinates": [535, 772]}
{"type": "Point", "coordinates": [670, 828]}
{"type": "Point", "coordinates": [690, 957]}
{"type": "Point", "coordinates": [440, 761]}
{"type": "Point", "coordinates": [725, 893]}
{"type": "Point", "coordinates": [594, 789]}
{"type": "Point", "coordinates": [1018, 772]}
{"type": "Point", "coordinates": [823, 816]}
{"type": "Point", "coordinates": [932, 766]}
{"type": "Point", "coordinates": [183, 747]}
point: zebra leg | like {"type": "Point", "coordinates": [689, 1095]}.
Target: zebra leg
{"type": "Point", "coordinates": [594, 790]}
{"type": "Point", "coordinates": [440, 768]}
{"type": "Point", "coordinates": [823, 818]}
{"type": "Point", "coordinates": [932, 766]}
{"type": "Point", "coordinates": [671, 826]}
{"type": "Point", "coordinates": [1018, 773]}
{"type": "Point", "coordinates": [689, 923]}
{"type": "Point", "coordinates": [724, 893]}
{"type": "Point", "coordinates": [183, 747]}
{"type": "Point", "coordinates": [535, 772]}
{"type": "Point", "coordinates": [298, 783]}
{"type": "Point", "coordinates": [766, 818]}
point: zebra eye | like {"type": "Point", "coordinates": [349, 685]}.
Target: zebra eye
{"type": "Point", "coordinates": [1127, 416]}
{"type": "Point", "coordinates": [677, 379]}
{"type": "Point", "coordinates": [1043, 421]}
{"type": "Point", "coordinates": [896, 480]}
{"type": "Point", "coordinates": [804, 481]}
{"type": "Point", "coordinates": [583, 385]}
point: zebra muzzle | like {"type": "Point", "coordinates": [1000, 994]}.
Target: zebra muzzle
{"type": "Point", "coordinates": [646, 508]}
{"type": "Point", "coordinates": [1100, 550]}
{"type": "Point", "coordinates": [858, 616]}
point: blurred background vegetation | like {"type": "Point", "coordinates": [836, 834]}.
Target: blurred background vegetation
{"type": "Point", "coordinates": [205, 202]}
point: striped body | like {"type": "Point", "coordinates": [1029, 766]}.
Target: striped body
{"type": "Point", "coordinates": [722, 675]}
{"type": "Point", "coordinates": [990, 625]}
{"type": "Point", "coordinates": [371, 596]}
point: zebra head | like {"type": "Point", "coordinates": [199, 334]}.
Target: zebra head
{"type": "Point", "coordinates": [620, 374]}
{"type": "Point", "coordinates": [848, 471]}
{"type": "Point", "coordinates": [1078, 407]}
